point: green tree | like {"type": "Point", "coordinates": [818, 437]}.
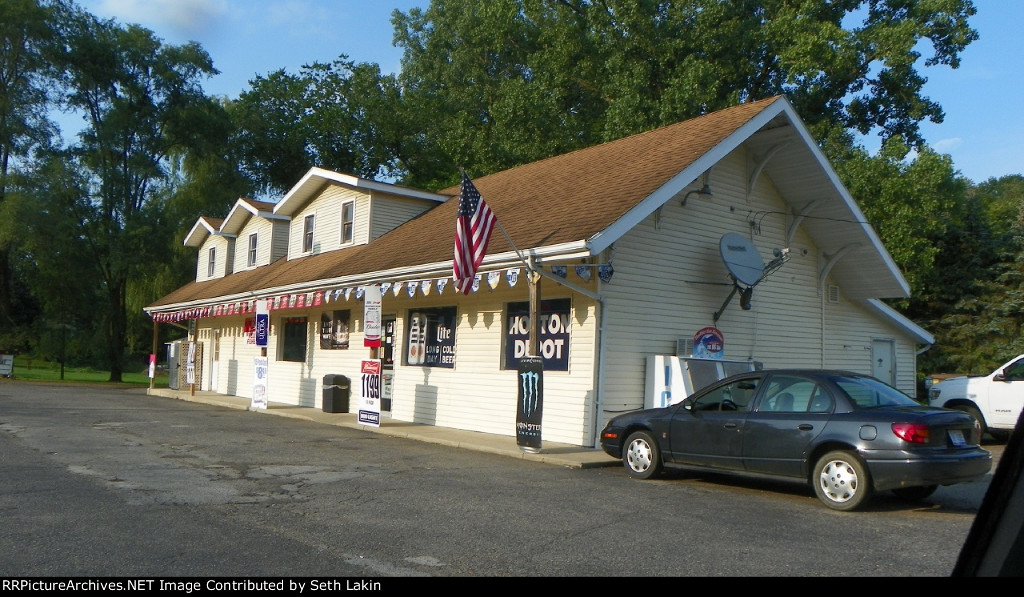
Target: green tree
{"type": "Point", "coordinates": [982, 331]}
{"type": "Point", "coordinates": [509, 81]}
{"type": "Point", "coordinates": [26, 33]}
{"type": "Point", "coordinates": [976, 306]}
{"type": "Point", "coordinates": [143, 106]}
{"type": "Point", "coordinates": [911, 201]}
{"type": "Point", "coordinates": [54, 259]}
{"type": "Point", "coordinates": [339, 116]}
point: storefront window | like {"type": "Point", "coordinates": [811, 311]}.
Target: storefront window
{"type": "Point", "coordinates": [294, 339]}
{"type": "Point", "coordinates": [431, 338]}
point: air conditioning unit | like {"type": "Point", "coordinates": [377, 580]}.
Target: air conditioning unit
{"type": "Point", "coordinates": [684, 347]}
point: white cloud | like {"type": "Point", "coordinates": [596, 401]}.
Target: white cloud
{"type": "Point", "coordinates": [178, 20]}
{"type": "Point", "coordinates": [947, 145]}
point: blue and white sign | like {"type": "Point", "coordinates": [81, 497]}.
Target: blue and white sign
{"type": "Point", "coordinates": [262, 322]}
{"type": "Point", "coordinates": [259, 386]}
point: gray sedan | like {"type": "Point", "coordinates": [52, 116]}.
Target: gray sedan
{"type": "Point", "coordinates": [846, 434]}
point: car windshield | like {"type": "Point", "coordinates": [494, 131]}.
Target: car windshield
{"type": "Point", "coordinates": [866, 392]}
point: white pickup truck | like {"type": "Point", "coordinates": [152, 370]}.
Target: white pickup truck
{"type": "Point", "coordinates": [994, 400]}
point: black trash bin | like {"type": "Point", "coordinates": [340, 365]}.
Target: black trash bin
{"type": "Point", "coordinates": [336, 392]}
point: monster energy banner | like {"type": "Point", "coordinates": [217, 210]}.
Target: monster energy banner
{"type": "Point", "coordinates": [531, 403]}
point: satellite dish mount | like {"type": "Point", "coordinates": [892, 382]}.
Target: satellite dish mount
{"type": "Point", "coordinates": [746, 269]}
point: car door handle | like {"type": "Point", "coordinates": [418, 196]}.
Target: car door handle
{"type": "Point", "coordinates": [805, 426]}
{"type": "Point", "coordinates": [730, 425]}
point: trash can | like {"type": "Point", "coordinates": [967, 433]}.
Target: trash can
{"type": "Point", "coordinates": [336, 392]}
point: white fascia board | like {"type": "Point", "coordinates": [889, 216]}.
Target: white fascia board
{"type": "Point", "coordinates": [896, 318]}
{"type": "Point", "coordinates": [604, 239]}
{"type": "Point", "coordinates": [201, 227]}
{"type": "Point", "coordinates": [316, 177]}
{"type": "Point", "coordinates": [237, 214]}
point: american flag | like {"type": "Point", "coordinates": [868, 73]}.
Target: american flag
{"type": "Point", "coordinates": [472, 233]}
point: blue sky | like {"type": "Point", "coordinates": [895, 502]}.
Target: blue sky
{"type": "Point", "coordinates": [983, 99]}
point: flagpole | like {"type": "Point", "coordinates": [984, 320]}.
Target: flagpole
{"type": "Point", "coordinates": [531, 366]}
{"type": "Point", "coordinates": [497, 222]}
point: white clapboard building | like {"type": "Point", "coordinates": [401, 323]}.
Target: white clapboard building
{"type": "Point", "coordinates": [717, 244]}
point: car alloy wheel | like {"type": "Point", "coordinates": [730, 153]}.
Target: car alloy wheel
{"type": "Point", "coordinates": [841, 481]}
{"type": "Point", "coordinates": [642, 457]}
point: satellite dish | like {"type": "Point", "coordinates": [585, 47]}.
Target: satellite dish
{"type": "Point", "coordinates": [741, 258]}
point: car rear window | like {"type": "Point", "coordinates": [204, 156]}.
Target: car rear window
{"type": "Point", "coordinates": [866, 392]}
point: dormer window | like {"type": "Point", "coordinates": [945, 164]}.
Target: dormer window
{"type": "Point", "coordinates": [252, 250]}
{"type": "Point", "coordinates": [348, 210]}
{"type": "Point", "coordinates": [307, 234]}
{"type": "Point", "coordinates": [211, 267]}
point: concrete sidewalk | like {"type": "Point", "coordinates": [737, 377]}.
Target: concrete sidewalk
{"type": "Point", "coordinates": [566, 455]}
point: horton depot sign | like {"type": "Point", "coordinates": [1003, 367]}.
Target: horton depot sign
{"type": "Point", "coordinates": [553, 343]}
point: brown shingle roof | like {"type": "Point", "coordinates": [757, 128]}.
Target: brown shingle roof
{"type": "Point", "coordinates": [563, 199]}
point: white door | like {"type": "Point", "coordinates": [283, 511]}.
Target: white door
{"type": "Point", "coordinates": [1007, 396]}
{"type": "Point", "coordinates": [883, 356]}
{"type": "Point", "coordinates": [214, 360]}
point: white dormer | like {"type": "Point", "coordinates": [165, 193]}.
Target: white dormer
{"type": "Point", "coordinates": [216, 249]}
{"type": "Point", "coordinates": [261, 236]}
{"type": "Point", "coordinates": [330, 211]}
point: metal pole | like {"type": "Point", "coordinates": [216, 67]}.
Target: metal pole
{"type": "Point", "coordinates": [152, 380]}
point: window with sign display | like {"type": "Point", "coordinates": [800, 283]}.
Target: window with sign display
{"type": "Point", "coordinates": [430, 341]}
{"type": "Point", "coordinates": [553, 341]}
{"type": "Point", "coordinates": [334, 329]}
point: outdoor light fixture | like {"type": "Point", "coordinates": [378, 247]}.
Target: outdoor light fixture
{"type": "Point", "coordinates": [704, 191]}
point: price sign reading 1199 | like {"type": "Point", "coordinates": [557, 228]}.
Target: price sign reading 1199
{"type": "Point", "coordinates": [369, 393]}
{"type": "Point", "coordinates": [371, 387]}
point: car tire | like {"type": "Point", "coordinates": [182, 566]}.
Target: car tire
{"type": "Point", "coordinates": [642, 456]}
{"type": "Point", "coordinates": [841, 480]}
{"type": "Point", "coordinates": [914, 494]}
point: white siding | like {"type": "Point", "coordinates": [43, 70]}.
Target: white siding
{"type": "Point", "coordinates": [263, 229]}
{"type": "Point", "coordinates": [327, 225]}
{"type": "Point", "coordinates": [850, 330]}
{"type": "Point", "coordinates": [373, 217]}
{"type": "Point", "coordinates": [670, 280]}
{"type": "Point", "coordinates": [223, 246]}
{"type": "Point", "coordinates": [390, 211]}
{"type": "Point", "coordinates": [476, 394]}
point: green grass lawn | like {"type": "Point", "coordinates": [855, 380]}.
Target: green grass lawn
{"type": "Point", "coordinates": [27, 370]}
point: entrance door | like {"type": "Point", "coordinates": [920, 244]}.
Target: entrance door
{"type": "Point", "coordinates": [387, 360]}
{"type": "Point", "coordinates": [215, 360]}
{"type": "Point", "coordinates": [883, 353]}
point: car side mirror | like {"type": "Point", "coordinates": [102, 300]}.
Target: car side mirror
{"type": "Point", "coordinates": [687, 404]}
{"type": "Point", "coordinates": [999, 377]}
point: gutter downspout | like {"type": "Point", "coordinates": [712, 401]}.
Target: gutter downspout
{"type": "Point", "coordinates": [595, 426]}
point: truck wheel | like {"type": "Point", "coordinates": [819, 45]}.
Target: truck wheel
{"type": "Point", "coordinates": [1002, 436]}
{"type": "Point", "coordinates": [974, 412]}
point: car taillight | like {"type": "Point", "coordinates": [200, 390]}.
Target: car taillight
{"type": "Point", "coordinates": [915, 433]}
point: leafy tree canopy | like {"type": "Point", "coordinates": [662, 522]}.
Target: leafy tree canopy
{"type": "Point", "coordinates": [510, 81]}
